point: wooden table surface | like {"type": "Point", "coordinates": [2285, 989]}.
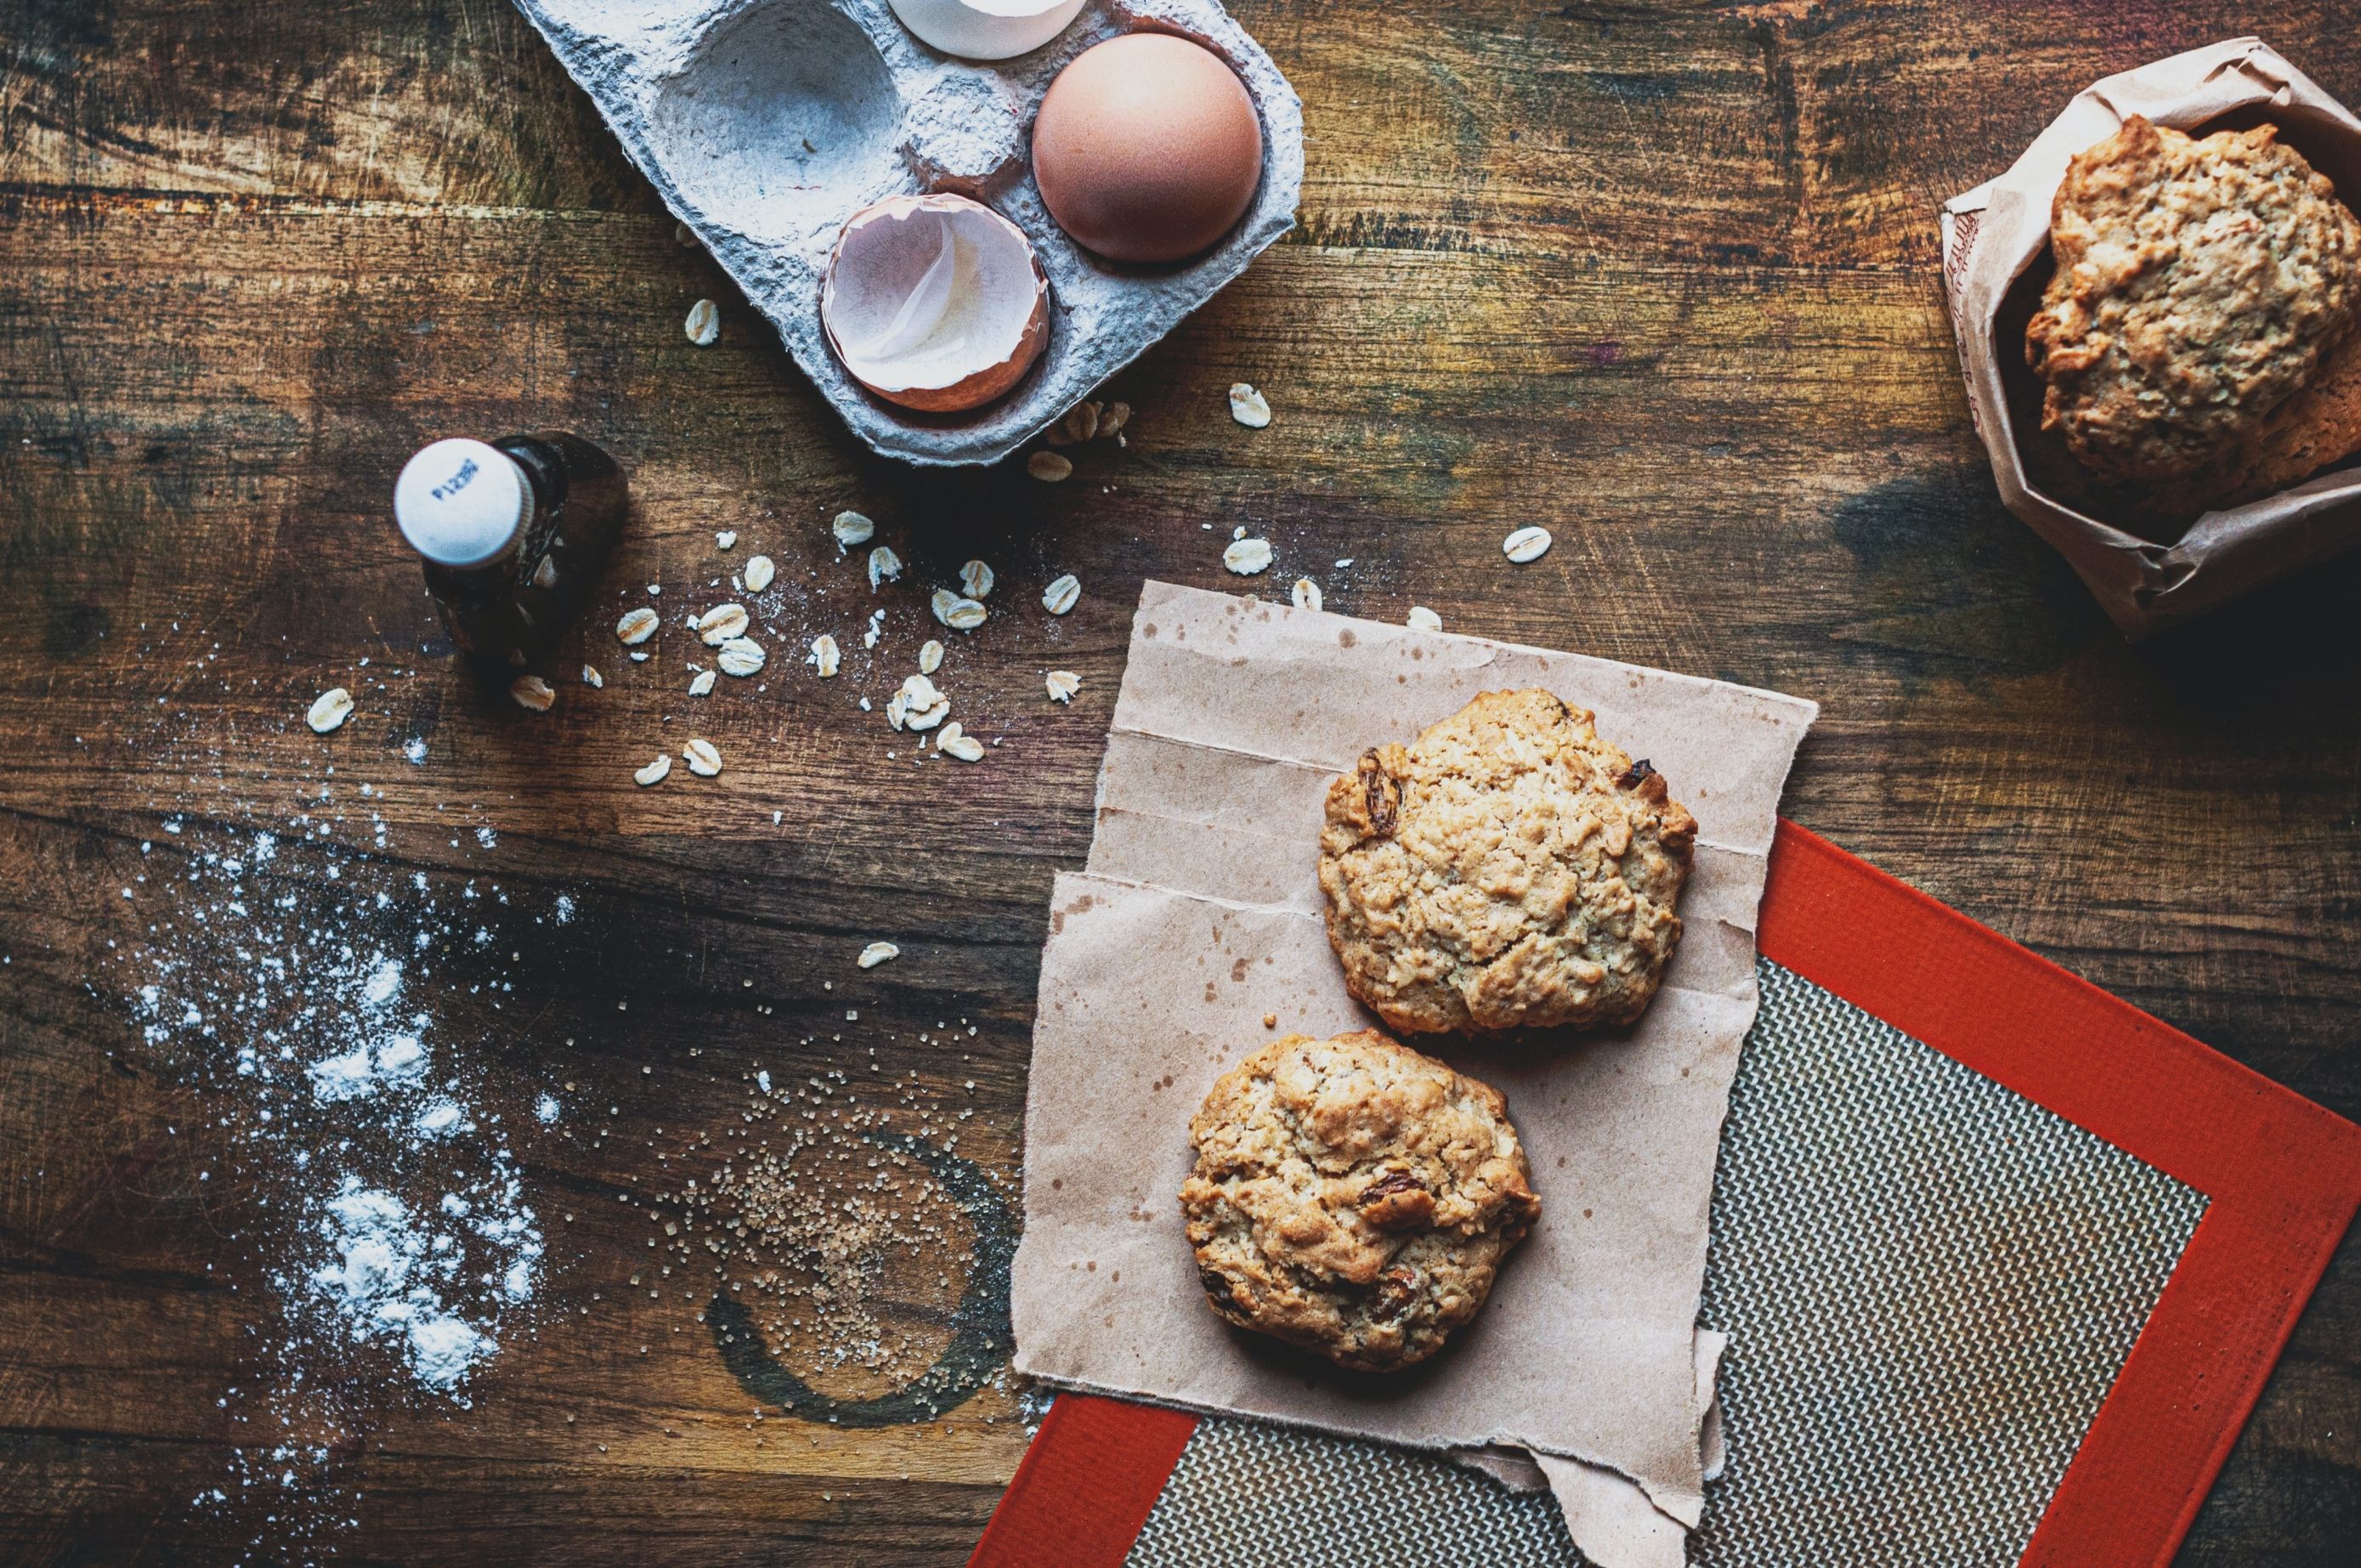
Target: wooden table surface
{"type": "Point", "coordinates": [1664, 280]}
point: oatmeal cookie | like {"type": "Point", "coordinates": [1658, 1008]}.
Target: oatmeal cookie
{"type": "Point", "coordinates": [2198, 285]}
{"type": "Point", "coordinates": [1354, 1196]}
{"type": "Point", "coordinates": [1508, 870]}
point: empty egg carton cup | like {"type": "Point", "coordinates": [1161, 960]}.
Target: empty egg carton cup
{"type": "Point", "coordinates": [767, 123]}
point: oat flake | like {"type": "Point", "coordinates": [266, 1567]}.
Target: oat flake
{"type": "Point", "coordinates": [1525, 544]}
{"type": "Point", "coordinates": [654, 773]}
{"type": "Point", "coordinates": [636, 627]}
{"type": "Point", "coordinates": [1247, 557]}
{"type": "Point", "coordinates": [1062, 685]}
{"type": "Point", "coordinates": [1248, 407]}
{"type": "Point", "coordinates": [720, 623]}
{"type": "Point", "coordinates": [703, 760]}
{"type": "Point", "coordinates": [740, 656]}
{"type": "Point", "coordinates": [760, 570]}
{"type": "Point", "coordinates": [329, 709]}
{"type": "Point", "coordinates": [1060, 596]}
{"type": "Point", "coordinates": [704, 324]}
{"type": "Point", "coordinates": [532, 692]}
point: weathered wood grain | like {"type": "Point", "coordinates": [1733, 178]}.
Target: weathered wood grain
{"type": "Point", "coordinates": [1659, 278]}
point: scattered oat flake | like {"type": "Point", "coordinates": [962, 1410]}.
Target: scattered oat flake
{"type": "Point", "coordinates": [637, 626]}
{"type": "Point", "coordinates": [329, 709]}
{"type": "Point", "coordinates": [1247, 557]}
{"type": "Point", "coordinates": [876, 953]}
{"type": "Point", "coordinates": [1081, 424]}
{"type": "Point", "coordinates": [1060, 596]}
{"type": "Point", "coordinates": [702, 684]}
{"type": "Point", "coordinates": [740, 656]}
{"type": "Point", "coordinates": [1248, 407]}
{"type": "Point", "coordinates": [953, 743]}
{"type": "Point", "coordinates": [851, 529]}
{"type": "Point", "coordinates": [546, 575]}
{"type": "Point", "coordinates": [720, 623]}
{"type": "Point", "coordinates": [975, 580]}
{"type": "Point", "coordinates": [918, 705]}
{"type": "Point", "coordinates": [884, 566]}
{"type": "Point", "coordinates": [824, 656]}
{"type": "Point", "coordinates": [703, 760]}
{"type": "Point", "coordinates": [532, 692]}
{"type": "Point", "coordinates": [758, 572]}
{"type": "Point", "coordinates": [930, 656]}
{"type": "Point", "coordinates": [1423, 619]}
{"type": "Point", "coordinates": [654, 773]}
{"type": "Point", "coordinates": [1529, 543]}
{"type": "Point", "coordinates": [1049, 467]}
{"type": "Point", "coordinates": [1062, 685]}
{"type": "Point", "coordinates": [704, 324]}
{"type": "Point", "coordinates": [1306, 593]}
{"type": "Point", "coordinates": [958, 614]}
{"type": "Point", "coordinates": [1111, 424]}
{"type": "Point", "coordinates": [592, 678]}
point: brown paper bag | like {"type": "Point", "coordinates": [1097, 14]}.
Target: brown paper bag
{"type": "Point", "coordinates": [1994, 235]}
{"type": "Point", "coordinates": [1200, 913]}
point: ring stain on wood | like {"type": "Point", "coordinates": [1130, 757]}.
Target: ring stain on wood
{"type": "Point", "coordinates": [981, 1341]}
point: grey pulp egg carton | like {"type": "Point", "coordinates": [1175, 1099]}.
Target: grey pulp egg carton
{"type": "Point", "coordinates": [767, 123]}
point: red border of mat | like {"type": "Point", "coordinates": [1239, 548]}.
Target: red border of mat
{"type": "Point", "coordinates": [2283, 1177]}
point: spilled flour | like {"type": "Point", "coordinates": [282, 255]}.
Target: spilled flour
{"type": "Point", "coordinates": [301, 990]}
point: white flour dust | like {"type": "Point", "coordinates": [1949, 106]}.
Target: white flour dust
{"type": "Point", "coordinates": [337, 1019]}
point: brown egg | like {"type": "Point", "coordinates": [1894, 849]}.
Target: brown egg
{"type": "Point", "coordinates": [1147, 148]}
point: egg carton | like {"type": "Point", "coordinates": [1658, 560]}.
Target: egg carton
{"type": "Point", "coordinates": [767, 123]}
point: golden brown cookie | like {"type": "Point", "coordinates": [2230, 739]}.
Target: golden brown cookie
{"type": "Point", "coordinates": [1508, 870]}
{"type": "Point", "coordinates": [1354, 1196]}
{"type": "Point", "coordinates": [2198, 284]}
{"type": "Point", "coordinates": [2319, 425]}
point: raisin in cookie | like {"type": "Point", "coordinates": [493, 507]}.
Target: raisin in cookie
{"type": "Point", "coordinates": [1354, 1196]}
{"type": "Point", "coordinates": [1508, 870]}
{"type": "Point", "coordinates": [2199, 283]}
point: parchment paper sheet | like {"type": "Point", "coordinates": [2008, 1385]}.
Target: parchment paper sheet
{"type": "Point", "coordinates": [1992, 234]}
{"type": "Point", "coordinates": [1199, 913]}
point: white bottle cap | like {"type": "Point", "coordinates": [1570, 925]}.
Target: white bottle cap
{"type": "Point", "coordinates": [460, 502]}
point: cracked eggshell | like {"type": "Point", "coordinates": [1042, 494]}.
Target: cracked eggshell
{"type": "Point", "coordinates": [935, 303]}
{"type": "Point", "coordinates": [986, 30]}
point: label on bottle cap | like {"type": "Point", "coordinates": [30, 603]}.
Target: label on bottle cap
{"type": "Point", "coordinates": [460, 502]}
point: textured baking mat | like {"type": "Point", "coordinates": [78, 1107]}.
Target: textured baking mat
{"type": "Point", "coordinates": [1930, 1283]}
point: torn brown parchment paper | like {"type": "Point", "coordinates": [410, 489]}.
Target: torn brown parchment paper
{"type": "Point", "coordinates": [1993, 234]}
{"type": "Point", "coordinates": [1200, 911]}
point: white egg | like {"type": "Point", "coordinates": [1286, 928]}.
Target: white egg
{"type": "Point", "coordinates": [986, 30]}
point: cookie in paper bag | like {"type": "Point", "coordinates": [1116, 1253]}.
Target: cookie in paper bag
{"type": "Point", "coordinates": [1354, 1196]}
{"type": "Point", "coordinates": [1508, 870]}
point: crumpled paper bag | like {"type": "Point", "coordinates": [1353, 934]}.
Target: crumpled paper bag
{"type": "Point", "coordinates": [1199, 914]}
{"type": "Point", "coordinates": [1992, 237]}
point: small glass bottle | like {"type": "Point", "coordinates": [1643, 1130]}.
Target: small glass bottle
{"type": "Point", "coordinates": [512, 533]}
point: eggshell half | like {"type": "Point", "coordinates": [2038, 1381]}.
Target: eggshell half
{"type": "Point", "coordinates": [986, 30]}
{"type": "Point", "coordinates": [935, 303]}
{"type": "Point", "coordinates": [1147, 148]}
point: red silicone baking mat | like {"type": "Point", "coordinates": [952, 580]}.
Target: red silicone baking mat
{"type": "Point", "coordinates": [2005, 1261]}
